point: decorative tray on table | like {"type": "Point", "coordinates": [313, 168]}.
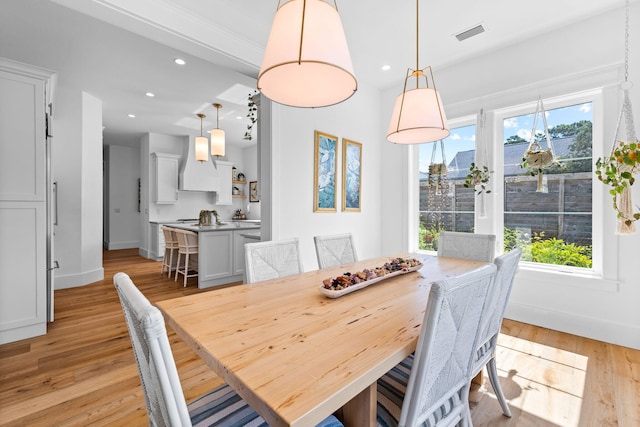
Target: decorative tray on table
{"type": "Point", "coordinates": [351, 282]}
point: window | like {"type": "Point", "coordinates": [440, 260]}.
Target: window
{"type": "Point", "coordinates": [550, 215]}
{"type": "Point", "coordinates": [445, 204]}
{"type": "Point", "coordinates": [555, 228]}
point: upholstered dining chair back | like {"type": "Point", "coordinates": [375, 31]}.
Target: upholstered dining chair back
{"type": "Point", "coordinates": [437, 389]}
{"type": "Point", "coordinates": [334, 250]}
{"type": "Point", "coordinates": [272, 259]}
{"type": "Point", "coordinates": [158, 374]}
{"type": "Point", "coordinates": [473, 246]}
{"type": "Point", "coordinates": [491, 321]}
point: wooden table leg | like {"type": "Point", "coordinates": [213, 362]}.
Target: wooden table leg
{"type": "Point", "coordinates": [361, 410]}
{"type": "Point", "coordinates": [477, 379]}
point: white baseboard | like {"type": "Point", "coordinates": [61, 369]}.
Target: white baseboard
{"type": "Point", "coordinates": [113, 246]}
{"type": "Point", "coordinates": [23, 332]}
{"type": "Point", "coordinates": [584, 326]}
{"type": "Point", "coordinates": [80, 279]}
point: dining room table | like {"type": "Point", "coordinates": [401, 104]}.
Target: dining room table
{"type": "Point", "coordinates": [297, 354]}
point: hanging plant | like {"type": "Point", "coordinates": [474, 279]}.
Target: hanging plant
{"type": "Point", "coordinates": [617, 171]}
{"type": "Point", "coordinates": [535, 157]}
{"type": "Point", "coordinates": [252, 115]}
{"type": "Point", "coordinates": [478, 178]}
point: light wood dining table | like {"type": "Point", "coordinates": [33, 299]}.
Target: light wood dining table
{"type": "Point", "coordinates": [297, 356]}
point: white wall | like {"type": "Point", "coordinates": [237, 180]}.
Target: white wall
{"type": "Point", "coordinates": [77, 160]}
{"type": "Point", "coordinates": [579, 57]}
{"type": "Point", "coordinates": [357, 119]}
{"type": "Point", "coordinates": [123, 166]}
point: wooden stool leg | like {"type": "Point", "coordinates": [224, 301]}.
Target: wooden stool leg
{"type": "Point", "coordinates": [177, 267]}
{"type": "Point", "coordinates": [186, 269]}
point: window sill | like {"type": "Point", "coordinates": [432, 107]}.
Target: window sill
{"type": "Point", "coordinates": [567, 276]}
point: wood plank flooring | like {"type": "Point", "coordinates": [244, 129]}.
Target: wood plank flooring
{"type": "Point", "coordinates": [83, 371]}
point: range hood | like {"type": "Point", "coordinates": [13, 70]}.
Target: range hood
{"type": "Point", "coordinates": [198, 176]}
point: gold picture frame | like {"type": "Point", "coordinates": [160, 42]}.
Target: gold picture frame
{"type": "Point", "coordinates": [325, 165]}
{"type": "Point", "coordinates": [351, 175]}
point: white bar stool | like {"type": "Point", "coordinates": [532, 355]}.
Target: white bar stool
{"type": "Point", "coordinates": [187, 245]}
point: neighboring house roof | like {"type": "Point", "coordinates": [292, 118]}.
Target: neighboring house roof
{"type": "Point", "coordinates": [458, 167]}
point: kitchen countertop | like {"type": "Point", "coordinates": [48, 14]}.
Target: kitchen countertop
{"type": "Point", "coordinates": [235, 225]}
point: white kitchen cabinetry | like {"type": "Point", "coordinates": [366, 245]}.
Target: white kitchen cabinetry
{"type": "Point", "coordinates": [224, 194]}
{"type": "Point", "coordinates": [167, 167]}
{"type": "Point", "coordinates": [215, 257]}
{"type": "Point", "coordinates": [156, 251]}
{"type": "Point", "coordinates": [24, 195]}
{"type": "Point", "coordinates": [238, 252]}
{"type": "Point", "coordinates": [221, 257]}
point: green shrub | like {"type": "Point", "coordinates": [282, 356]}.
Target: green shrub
{"type": "Point", "coordinates": [428, 240]}
{"type": "Point", "coordinates": [547, 251]}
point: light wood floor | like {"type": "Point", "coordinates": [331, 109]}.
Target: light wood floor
{"type": "Point", "coordinates": [83, 371]}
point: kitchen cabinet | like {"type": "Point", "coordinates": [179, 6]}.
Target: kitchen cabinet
{"type": "Point", "coordinates": [156, 250]}
{"type": "Point", "coordinates": [220, 252]}
{"type": "Point", "coordinates": [223, 196]}
{"type": "Point", "coordinates": [26, 284]}
{"type": "Point", "coordinates": [238, 252]}
{"type": "Point", "coordinates": [166, 177]}
{"type": "Point", "coordinates": [215, 256]}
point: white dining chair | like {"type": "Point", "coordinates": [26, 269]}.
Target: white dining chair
{"type": "Point", "coordinates": [334, 250]}
{"type": "Point", "coordinates": [187, 264]}
{"type": "Point", "coordinates": [170, 248]}
{"type": "Point", "coordinates": [473, 246]}
{"type": "Point", "coordinates": [491, 321]}
{"type": "Point", "coordinates": [272, 259]}
{"type": "Point", "coordinates": [432, 387]}
{"type": "Point", "coordinates": [161, 386]}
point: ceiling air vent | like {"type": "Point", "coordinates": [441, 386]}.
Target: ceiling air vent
{"type": "Point", "coordinates": [470, 33]}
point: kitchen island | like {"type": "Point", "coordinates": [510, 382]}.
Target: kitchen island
{"type": "Point", "coordinates": [220, 250]}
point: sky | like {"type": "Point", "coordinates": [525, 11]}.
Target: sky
{"type": "Point", "coordinates": [464, 138]}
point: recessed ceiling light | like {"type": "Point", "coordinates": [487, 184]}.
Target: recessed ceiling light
{"type": "Point", "coordinates": [131, 115]}
{"type": "Point", "coordinates": [386, 67]}
{"type": "Point", "coordinates": [179, 61]}
{"type": "Point", "coordinates": [239, 117]}
{"type": "Point", "coordinates": [150, 94]}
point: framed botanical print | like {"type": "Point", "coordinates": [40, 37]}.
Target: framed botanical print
{"type": "Point", "coordinates": [351, 175]}
{"type": "Point", "coordinates": [253, 191]}
{"type": "Point", "coordinates": [325, 163]}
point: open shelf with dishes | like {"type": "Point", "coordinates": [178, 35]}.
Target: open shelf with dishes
{"type": "Point", "coordinates": [238, 192]}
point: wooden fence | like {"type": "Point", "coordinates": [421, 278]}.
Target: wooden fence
{"type": "Point", "coordinates": [564, 212]}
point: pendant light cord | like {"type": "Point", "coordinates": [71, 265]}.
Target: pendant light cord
{"type": "Point", "coordinates": [417, 36]}
{"type": "Point", "coordinates": [626, 43]}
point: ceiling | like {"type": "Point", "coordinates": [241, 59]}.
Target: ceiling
{"type": "Point", "coordinates": [223, 41]}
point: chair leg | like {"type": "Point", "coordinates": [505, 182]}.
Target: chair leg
{"type": "Point", "coordinates": [497, 388]}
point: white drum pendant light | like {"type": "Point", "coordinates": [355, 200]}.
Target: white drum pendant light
{"type": "Point", "coordinates": [306, 62]}
{"type": "Point", "coordinates": [217, 136]}
{"type": "Point", "coordinates": [202, 144]}
{"type": "Point", "coordinates": [418, 115]}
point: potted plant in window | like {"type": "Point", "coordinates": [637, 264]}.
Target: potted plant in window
{"type": "Point", "coordinates": [478, 178]}
{"type": "Point", "coordinates": [618, 171]}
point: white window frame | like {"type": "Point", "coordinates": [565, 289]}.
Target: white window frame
{"type": "Point", "coordinates": [598, 191]}
{"type": "Point", "coordinates": [414, 215]}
